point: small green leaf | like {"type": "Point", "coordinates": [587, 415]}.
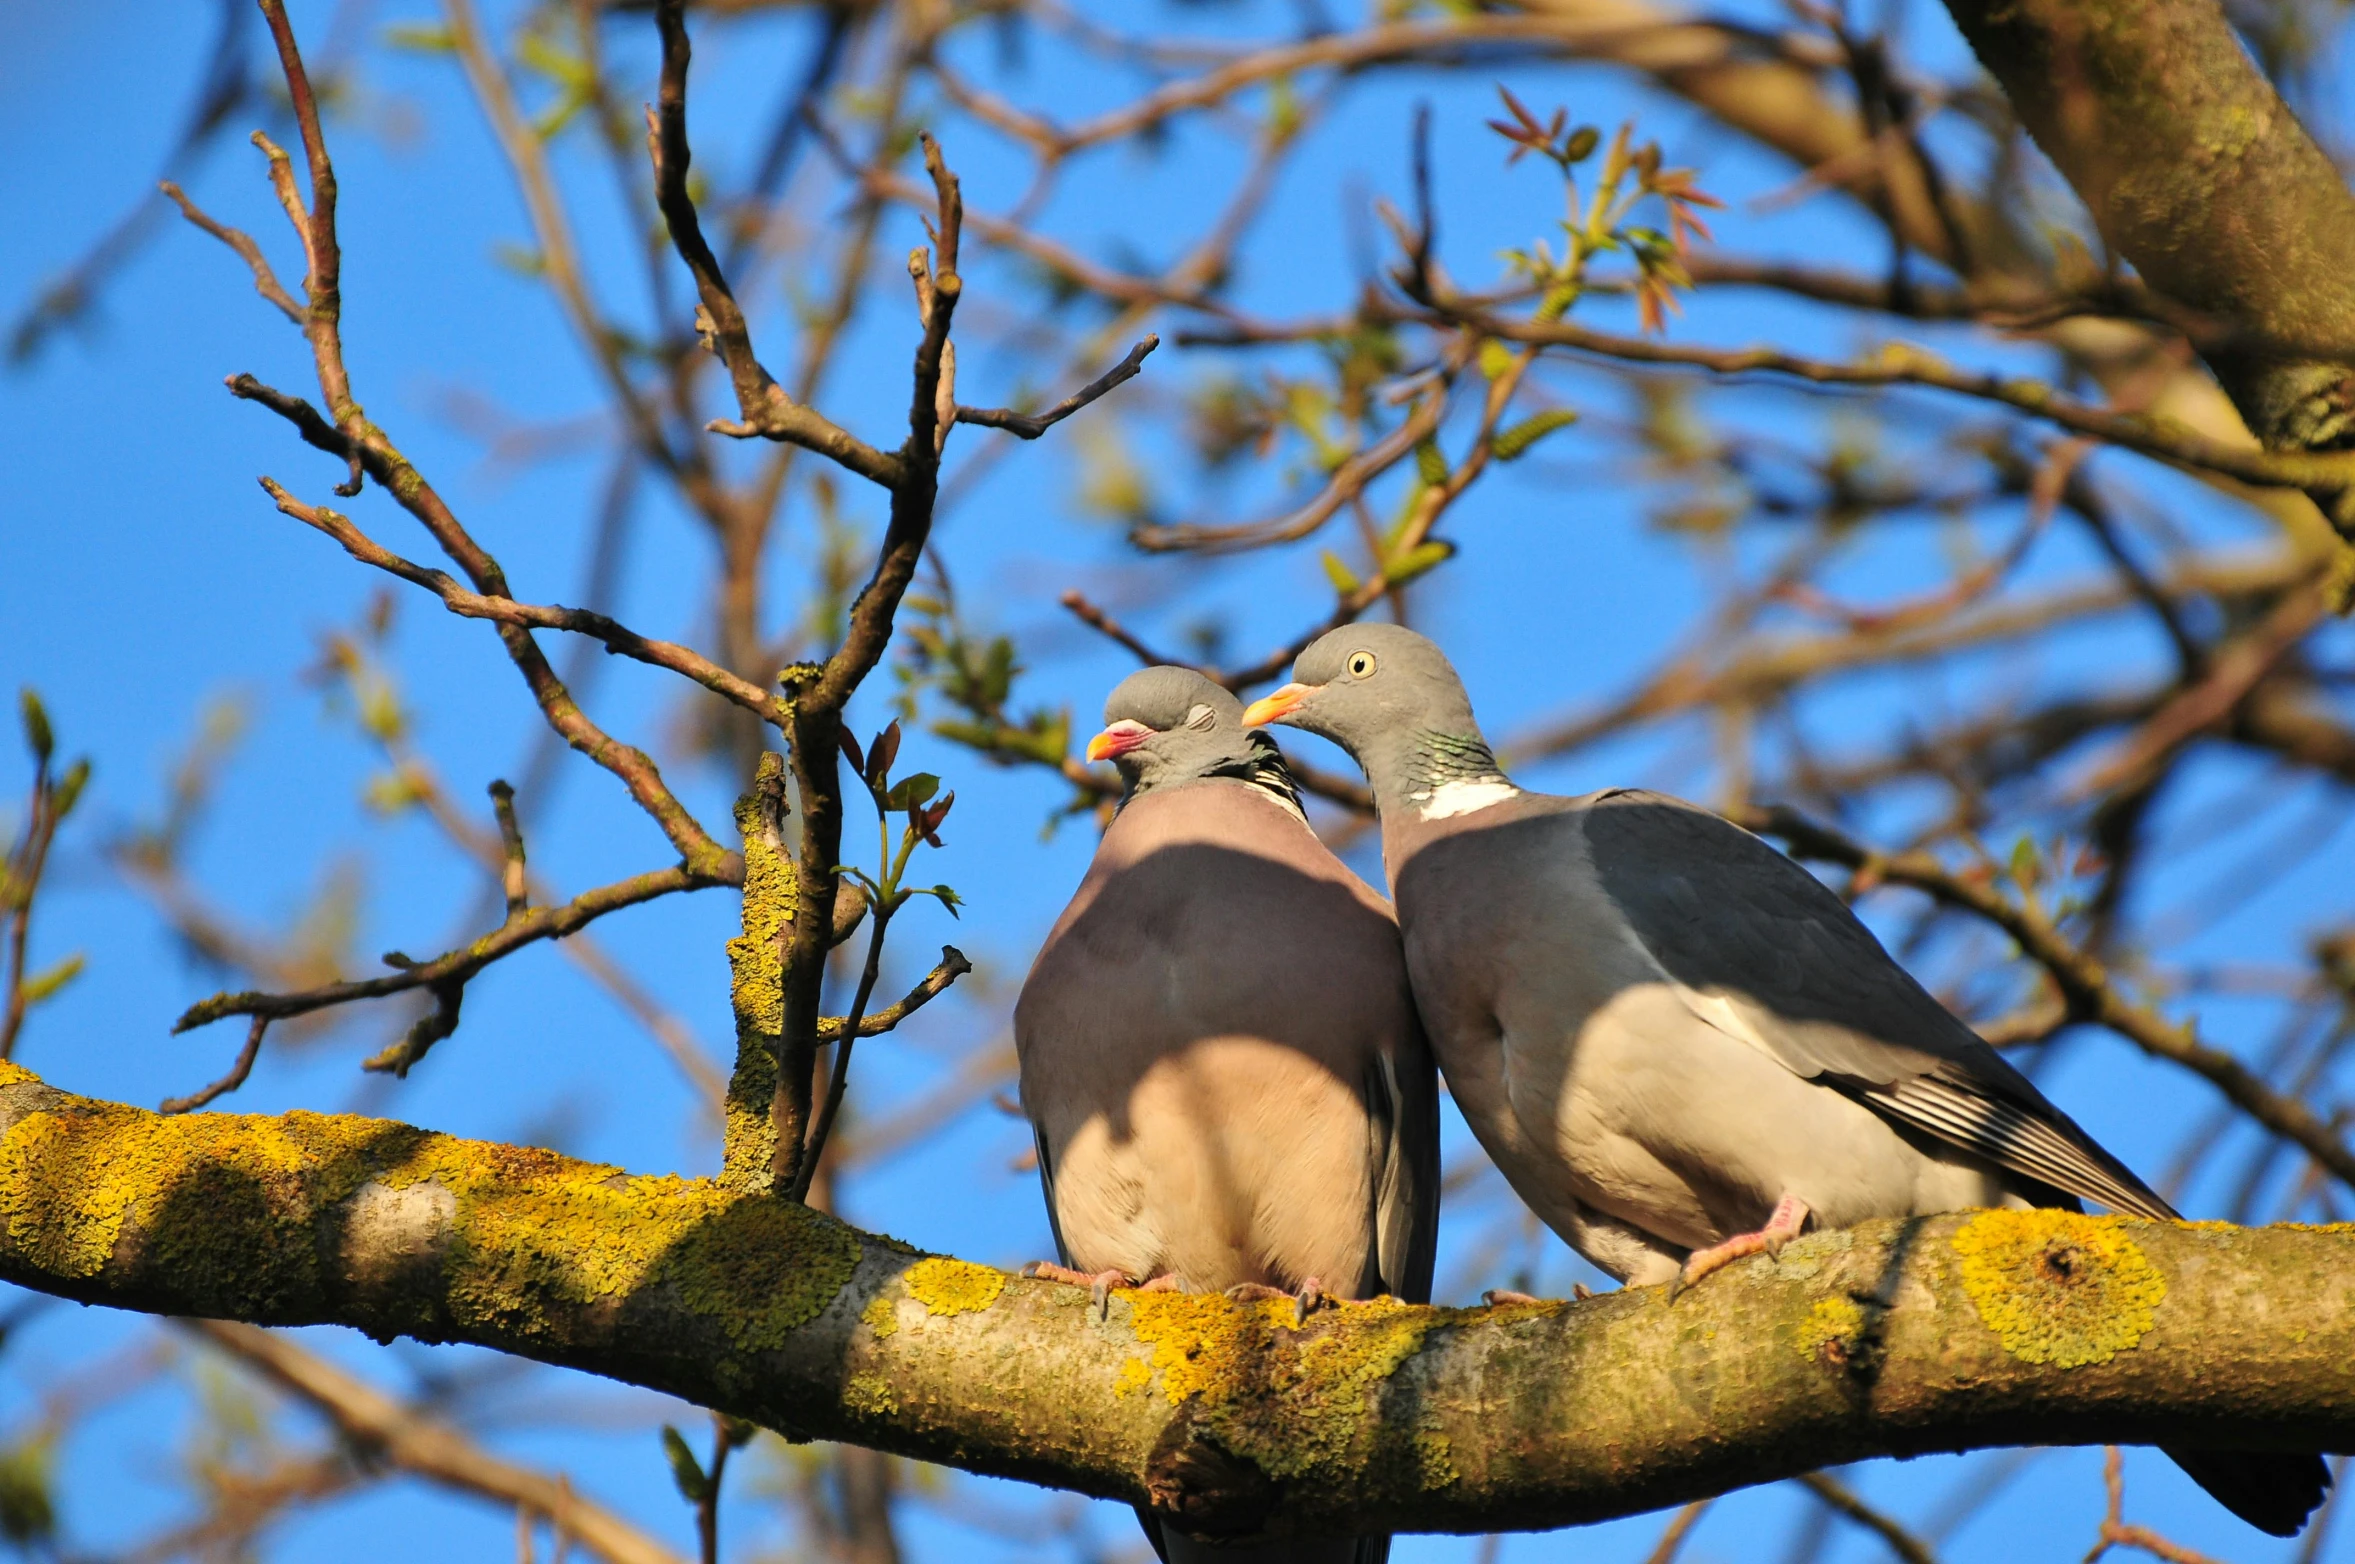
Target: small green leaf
{"type": "Point", "coordinates": [1430, 462]}
{"type": "Point", "coordinates": [1418, 561]}
{"type": "Point", "coordinates": [521, 259]}
{"type": "Point", "coordinates": [41, 985]}
{"type": "Point", "coordinates": [69, 789]}
{"type": "Point", "coordinates": [1582, 144]}
{"type": "Point", "coordinates": [949, 899]}
{"type": "Point", "coordinates": [909, 791]}
{"type": "Point", "coordinates": [1514, 443]}
{"type": "Point", "coordinates": [2025, 864]}
{"type": "Point", "coordinates": [1496, 360]}
{"type": "Point", "coordinates": [418, 38]}
{"type": "Point", "coordinates": [566, 70]}
{"type": "Point", "coordinates": [389, 793]}
{"type": "Point", "coordinates": [1343, 578]}
{"type": "Point", "coordinates": [28, 1516]}
{"type": "Point", "coordinates": [997, 672]}
{"type": "Point", "coordinates": [686, 1471]}
{"type": "Point", "coordinates": [38, 736]}
{"type": "Point", "coordinates": [1283, 109]}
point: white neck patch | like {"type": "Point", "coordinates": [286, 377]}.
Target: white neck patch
{"type": "Point", "coordinates": [1464, 796]}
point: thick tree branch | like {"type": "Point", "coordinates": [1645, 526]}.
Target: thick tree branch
{"type": "Point", "coordinates": [1892, 1338]}
{"type": "Point", "coordinates": [2200, 175]}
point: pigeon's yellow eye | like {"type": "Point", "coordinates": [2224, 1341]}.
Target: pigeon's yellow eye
{"type": "Point", "coordinates": [1361, 664]}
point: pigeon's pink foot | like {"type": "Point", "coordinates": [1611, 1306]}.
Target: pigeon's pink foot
{"type": "Point", "coordinates": [1310, 1298]}
{"type": "Point", "coordinates": [1790, 1215]}
{"type": "Point", "coordinates": [1497, 1295]}
{"type": "Point", "coordinates": [1098, 1283]}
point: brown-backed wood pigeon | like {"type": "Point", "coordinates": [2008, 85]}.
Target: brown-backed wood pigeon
{"type": "Point", "coordinates": [1220, 1057]}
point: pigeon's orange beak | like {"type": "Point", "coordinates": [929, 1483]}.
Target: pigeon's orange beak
{"type": "Point", "coordinates": [1278, 706]}
{"type": "Point", "coordinates": [1118, 739]}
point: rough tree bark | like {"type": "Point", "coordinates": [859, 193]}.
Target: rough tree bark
{"type": "Point", "coordinates": [1894, 1338]}
{"type": "Point", "coordinates": [2197, 173]}
{"type": "Point", "coordinates": [1785, 106]}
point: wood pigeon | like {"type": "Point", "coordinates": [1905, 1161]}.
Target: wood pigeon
{"type": "Point", "coordinates": [1677, 1044]}
{"type": "Point", "coordinates": [1220, 1056]}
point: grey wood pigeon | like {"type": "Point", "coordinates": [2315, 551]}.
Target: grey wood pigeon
{"type": "Point", "coordinates": [1220, 1056]}
{"type": "Point", "coordinates": [1677, 1044]}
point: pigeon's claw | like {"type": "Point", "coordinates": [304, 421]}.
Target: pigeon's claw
{"type": "Point", "coordinates": [1790, 1216]}
{"type": "Point", "coordinates": [1310, 1297]}
{"type": "Point", "coordinates": [1497, 1295]}
{"type": "Point", "coordinates": [1098, 1283]}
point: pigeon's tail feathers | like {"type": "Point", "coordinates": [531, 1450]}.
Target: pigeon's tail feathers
{"type": "Point", "coordinates": [1175, 1547]}
{"type": "Point", "coordinates": [2272, 1490]}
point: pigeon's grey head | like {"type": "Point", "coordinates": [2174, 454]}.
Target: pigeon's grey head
{"type": "Point", "coordinates": [1393, 700]}
{"type": "Point", "coordinates": [1364, 686]}
{"type": "Point", "coordinates": [1165, 726]}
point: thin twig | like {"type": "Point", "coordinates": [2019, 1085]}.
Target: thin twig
{"type": "Point", "coordinates": [514, 884]}
{"type": "Point", "coordinates": [951, 966]}
{"type": "Point", "coordinates": [1838, 1496]}
{"type": "Point", "coordinates": [227, 1083]}
{"type": "Point", "coordinates": [1030, 426]}
{"type": "Point", "coordinates": [765, 408]}
{"type": "Point", "coordinates": [381, 1428]}
{"type": "Point", "coordinates": [839, 1081]}
{"type": "Point", "coordinates": [2157, 437]}
{"type": "Point", "coordinates": [618, 638]}
{"type": "Point", "coordinates": [1673, 1535]}
{"type": "Point", "coordinates": [1096, 619]}
{"type": "Point", "coordinates": [457, 965]}
{"type": "Point", "coordinates": [265, 281]}
{"type": "Point", "coordinates": [2115, 1533]}
{"type": "Point", "coordinates": [383, 461]}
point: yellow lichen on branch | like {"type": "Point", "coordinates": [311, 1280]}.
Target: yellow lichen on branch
{"type": "Point", "coordinates": [946, 1286]}
{"type": "Point", "coordinates": [756, 978]}
{"type": "Point", "coordinates": [2057, 1287]}
{"type": "Point", "coordinates": [252, 1217]}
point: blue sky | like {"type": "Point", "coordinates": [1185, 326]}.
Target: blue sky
{"type": "Point", "coordinates": [143, 574]}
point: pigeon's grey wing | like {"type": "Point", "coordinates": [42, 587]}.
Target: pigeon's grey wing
{"type": "Point", "coordinates": [1402, 1116]}
{"type": "Point", "coordinates": [1743, 927]}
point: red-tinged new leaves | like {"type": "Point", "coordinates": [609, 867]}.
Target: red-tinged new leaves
{"type": "Point", "coordinates": [1526, 132]}
{"type": "Point", "coordinates": [883, 752]}
{"type": "Point", "coordinates": [1552, 137]}
{"type": "Point", "coordinates": [850, 747]}
{"type": "Point", "coordinates": [927, 821]}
